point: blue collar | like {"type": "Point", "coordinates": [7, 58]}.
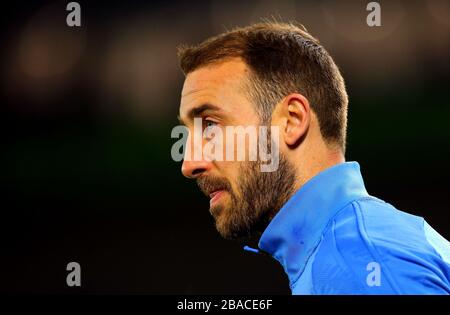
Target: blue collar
{"type": "Point", "coordinates": [296, 230]}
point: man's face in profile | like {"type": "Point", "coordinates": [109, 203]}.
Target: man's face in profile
{"type": "Point", "coordinates": [242, 198]}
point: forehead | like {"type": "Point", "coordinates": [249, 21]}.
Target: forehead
{"type": "Point", "coordinates": [212, 82]}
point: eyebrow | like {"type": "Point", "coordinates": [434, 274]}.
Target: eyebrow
{"type": "Point", "coordinates": [197, 111]}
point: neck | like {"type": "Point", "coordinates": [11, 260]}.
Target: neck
{"type": "Point", "coordinates": [314, 160]}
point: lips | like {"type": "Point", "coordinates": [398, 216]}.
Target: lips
{"type": "Point", "coordinates": [211, 195]}
{"type": "Point", "coordinates": [214, 188]}
{"type": "Point", "coordinates": [215, 196]}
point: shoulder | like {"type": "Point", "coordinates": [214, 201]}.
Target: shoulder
{"type": "Point", "coordinates": [370, 247]}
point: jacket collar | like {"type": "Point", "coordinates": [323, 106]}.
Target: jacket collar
{"type": "Point", "coordinates": [297, 228]}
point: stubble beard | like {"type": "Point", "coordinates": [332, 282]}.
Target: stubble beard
{"type": "Point", "coordinates": [260, 196]}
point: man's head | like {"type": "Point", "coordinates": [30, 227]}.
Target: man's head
{"type": "Point", "coordinates": [267, 74]}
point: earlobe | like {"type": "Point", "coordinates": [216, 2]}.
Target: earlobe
{"type": "Point", "coordinates": [297, 119]}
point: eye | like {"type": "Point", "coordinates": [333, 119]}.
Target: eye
{"type": "Point", "coordinates": [209, 128]}
{"type": "Point", "coordinates": [210, 123]}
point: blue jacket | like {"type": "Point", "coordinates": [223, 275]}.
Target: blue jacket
{"type": "Point", "coordinates": [332, 237]}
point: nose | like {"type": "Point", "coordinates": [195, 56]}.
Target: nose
{"type": "Point", "coordinates": [194, 165]}
{"type": "Point", "coordinates": [193, 169]}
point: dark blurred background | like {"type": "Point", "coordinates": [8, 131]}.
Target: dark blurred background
{"type": "Point", "coordinates": [86, 115]}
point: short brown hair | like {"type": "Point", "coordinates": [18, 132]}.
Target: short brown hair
{"type": "Point", "coordinates": [283, 58]}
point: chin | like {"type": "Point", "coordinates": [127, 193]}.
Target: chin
{"type": "Point", "coordinates": [223, 225]}
{"type": "Point", "coordinates": [230, 231]}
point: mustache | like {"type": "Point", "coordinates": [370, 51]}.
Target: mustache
{"type": "Point", "coordinates": [208, 184]}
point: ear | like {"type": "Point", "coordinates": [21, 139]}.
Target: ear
{"type": "Point", "coordinates": [297, 116]}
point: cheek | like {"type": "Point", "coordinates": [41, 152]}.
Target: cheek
{"type": "Point", "coordinates": [230, 171]}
